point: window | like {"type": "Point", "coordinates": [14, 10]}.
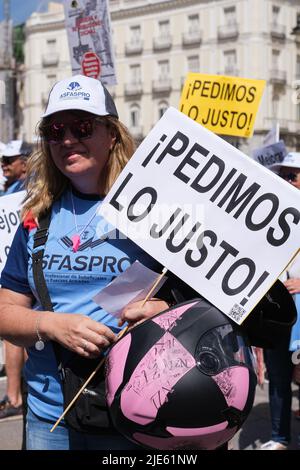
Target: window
{"type": "Point", "coordinates": [193, 24]}
{"type": "Point", "coordinates": [51, 79]}
{"type": "Point", "coordinates": [162, 108]}
{"type": "Point", "coordinates": [230, 15]}
{"type": "Point", "coordinates": [134, 115]}
{"type": "Point", "coordinates": [163, 69]}
{"type": "Point", "coordinates": [135, 34]}
{"type": "Point", "coordinates": [51, 45]}
{"type": "Point", "coordinates": [275, 14]}
{"type": "Point", "coordinates": [275, 59]}
{"type": "Point", "coordinates": [193, 63]}
{"type": "Point", "coordinates": [2, 91]}
{"type": "Point", "coordinates": [164, 28]}
{"type": "Point", "coordinates": [135, 74]}
{"type": "Point", "coordinates": [298, 67]}
{"type": "Point", "coordinates": [230, 60]}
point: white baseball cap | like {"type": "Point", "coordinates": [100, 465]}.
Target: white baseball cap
{"type": "Point", "coordinates": [82, 93]}
{"type": "Point", "coordinates": [15, 148]}
{"type": "Point", "coordinates": [291, 160]}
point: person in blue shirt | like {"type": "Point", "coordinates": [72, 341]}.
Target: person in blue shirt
{"type": "Point", "coordinates": [83, 148]}
{"type": "Point", "coordinates": [13, 164]}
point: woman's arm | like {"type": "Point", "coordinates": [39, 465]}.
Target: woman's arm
{"type": "Point", "coordinates": [17, 319]}
{"type": "Point", "coordinates": [79, 333]}
{"type": "Point", "coordinates": [293, 285]}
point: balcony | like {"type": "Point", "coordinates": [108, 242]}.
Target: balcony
{"type": "Point", "coordinates": [228, 32]}
{"type": "Point", "coordinates": [231, 70]}
{"type": "Point", "coordinates": [296, 32]}
{"type": "Point", "coordinates": [192, 38]}
{"type": "Point", "coordinates": [285, 125]}
{"type": "Point", "coordinates": [278, 77]}
{"type": "Point", "coordinates": [133, 89]}
{"type": "Point", "coordinates": [278, 31]}
{"type": "Point", "coordinates": [162, 43]}
{"type": "Point", "coordinates": [50, 59]}
{"type": "Point", "coordinates": [134, 47]}
{"type": "Point", "coordinates": [162, 85]}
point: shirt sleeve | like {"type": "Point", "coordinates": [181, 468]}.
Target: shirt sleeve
{"type": "Point", "coordinates": [14, 274]}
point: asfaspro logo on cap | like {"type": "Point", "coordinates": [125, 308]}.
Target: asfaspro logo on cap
{"type": "Point", "coordinates": [75, 91]}
{"type": "Point", "coordinates": [74, 86]}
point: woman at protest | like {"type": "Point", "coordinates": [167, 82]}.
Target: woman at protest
{"type": "Point", "coordinates": [279, 362]}
{"type": "Point", "coordinates": [83, 149]}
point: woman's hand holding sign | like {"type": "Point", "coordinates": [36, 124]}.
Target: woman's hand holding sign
{"type": "Point", "coordinates": [137, 311]}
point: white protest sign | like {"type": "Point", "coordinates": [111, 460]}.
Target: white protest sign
{"type": "Point", "coordinates": [89, 36]}
{"type": "Point", "coordinates": [270, 154]}
{"type": "Point", "coordinates": [232, 250]}
{"type": "Point", "coordinates": [10, 209]}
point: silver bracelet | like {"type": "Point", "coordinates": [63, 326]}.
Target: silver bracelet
{"type": "Point", "coordinates": [39, 345]}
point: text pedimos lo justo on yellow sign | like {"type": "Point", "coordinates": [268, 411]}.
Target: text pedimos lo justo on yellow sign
{"type": "Point", "coordinates": [222, 104]}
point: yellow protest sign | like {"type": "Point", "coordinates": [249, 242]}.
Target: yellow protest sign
{"type": "Point", "coordinates": [224, 105]}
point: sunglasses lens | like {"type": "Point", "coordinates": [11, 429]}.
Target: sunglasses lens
{"type": "Point", "coordinates": [80, 129]}
{"type": "Point", "coordinates": [54, 133]}
{"type": "Point", "coordinates": [289, 177]}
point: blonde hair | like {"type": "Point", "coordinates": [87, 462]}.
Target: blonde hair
{"type": "Point", "coordinates": [45, 183]}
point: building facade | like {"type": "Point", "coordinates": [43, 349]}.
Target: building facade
{"type": "Point", "coordinates": [7, 82]}
{"type": "Point", "coordinates": [158, 42]}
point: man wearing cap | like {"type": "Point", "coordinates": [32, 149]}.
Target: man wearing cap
{"type": "Point", "coordinates": [13, 164]}
{"type": "Point", "coordinates": [279, 360]}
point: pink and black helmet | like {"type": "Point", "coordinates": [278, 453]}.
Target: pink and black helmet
{"type": "Point", "coordinates": [183, 379]}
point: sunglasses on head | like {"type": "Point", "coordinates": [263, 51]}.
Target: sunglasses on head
{"type": "Point", "coordinates": [80, 128]}
{"type": "Point", "coordinates": [290, 176]}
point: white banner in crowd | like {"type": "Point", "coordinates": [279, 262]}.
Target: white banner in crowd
{"type": "Point", "coordinates": [221, 222]}
{"type": "Point", "coordinates": [10, 209]}
{"type": "Point", "coordinates": [272, 136]}
{"type": "Point", "coordinates": [89, 36]}
{"type": "Point", "coordinates": [271, 154]}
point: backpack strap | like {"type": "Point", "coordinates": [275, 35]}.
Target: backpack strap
{"type": "Point", "coordinates": [39, 240]}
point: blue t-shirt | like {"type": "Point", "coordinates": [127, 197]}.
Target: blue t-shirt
{"type": "Point", "coordinates": [15, 187]}
{"type": "Point", "coordinates": [73, 279]}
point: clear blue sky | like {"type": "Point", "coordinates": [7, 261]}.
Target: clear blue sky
{"type": "Point", "coordinates": [20, 10]}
